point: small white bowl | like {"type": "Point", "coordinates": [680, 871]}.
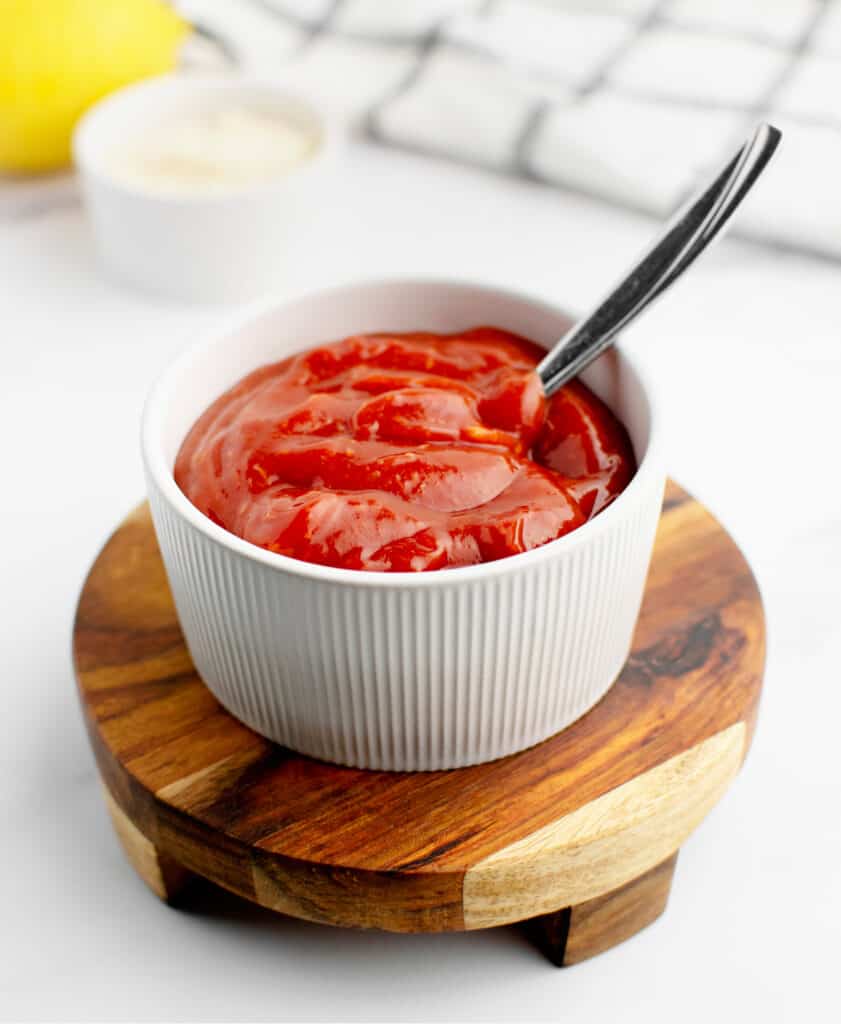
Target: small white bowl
{"type": "Point", "coordinates": [401, 671]}
{"type": "Point", "coordinates": [227, 244]}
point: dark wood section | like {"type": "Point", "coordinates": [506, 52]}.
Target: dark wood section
{"type": "Point", "coordinates": [391, 850]}
{"type": "Point", "coordinates": [549, 933]}
{"type": "Point", "coordinates": [607, 920]}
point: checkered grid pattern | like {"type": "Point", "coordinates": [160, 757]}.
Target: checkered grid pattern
{"type": "Point", "coordinates": [629, 101]}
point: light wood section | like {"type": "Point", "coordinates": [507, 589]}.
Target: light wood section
{"type": "Point", "coordinates": [561, 825]}
{"type": "Point", "coordinates": [606, 843]}
{"type": "Point", "coordinates": [163, 876]}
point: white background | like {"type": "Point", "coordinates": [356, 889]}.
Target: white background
{"type": "Point", "coordinates": [747, 356]}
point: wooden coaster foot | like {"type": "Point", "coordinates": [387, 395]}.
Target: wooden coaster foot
{"type": "Point", "coordinates": [164, 876]}
{"type": "Point", "coordinates": [576, 933]}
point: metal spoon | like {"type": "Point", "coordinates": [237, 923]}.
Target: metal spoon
{"type": "Point", "coordinates": [684, 238]}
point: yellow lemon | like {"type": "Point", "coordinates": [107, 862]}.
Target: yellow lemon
{"type": "Point", "coordinates": [57, 57]}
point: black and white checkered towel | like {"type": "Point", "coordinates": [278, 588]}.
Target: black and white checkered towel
{"type": "Point", "coordinates": [626, 100]}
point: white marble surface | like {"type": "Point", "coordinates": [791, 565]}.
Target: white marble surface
{"type": "Point", "coordinates": [747, 356]}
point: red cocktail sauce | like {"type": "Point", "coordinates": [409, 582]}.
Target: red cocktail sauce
{"type": "Point", "coordinates": [404, 453]}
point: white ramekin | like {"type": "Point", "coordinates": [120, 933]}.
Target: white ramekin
{"type": "Point", "coordinates": [401, 671]}
{"type": "Point", "coordinates": [226, 245]}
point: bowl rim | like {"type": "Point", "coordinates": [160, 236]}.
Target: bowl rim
{"type": "Point", "coordinates": [86, 147]}
{"type": "Point", "coordinates": [163, 477]}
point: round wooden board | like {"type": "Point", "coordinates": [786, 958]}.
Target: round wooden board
{"type": "Point", "coordinates": [583, 828]}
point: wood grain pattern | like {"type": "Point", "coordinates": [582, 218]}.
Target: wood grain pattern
{"type": "Point", "coordinates": [606, 843]}
{"type": "Point", "coordinates": [164, 876]}
{"type": "Point", "coordinates": [577, 933]}
{"type": "Point", "coordinates": [607, 920]}
{"type": "Point", "coordinates": [420, 852]}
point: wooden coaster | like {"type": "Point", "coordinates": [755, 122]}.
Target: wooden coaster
{"type": "Point", "coordinates": [580, 832]}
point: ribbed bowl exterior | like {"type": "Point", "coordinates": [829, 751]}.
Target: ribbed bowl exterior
{"type": "Point", "coordinates": [420, 677]}
{"type": "Point", "coordinates": [401, 671]}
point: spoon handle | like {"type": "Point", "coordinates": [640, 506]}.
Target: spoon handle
{"type": "Point", "coordinates": [684, 238]}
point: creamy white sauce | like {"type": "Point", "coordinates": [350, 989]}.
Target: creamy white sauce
{"type": "Point", "coordinates": [209, 150]}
